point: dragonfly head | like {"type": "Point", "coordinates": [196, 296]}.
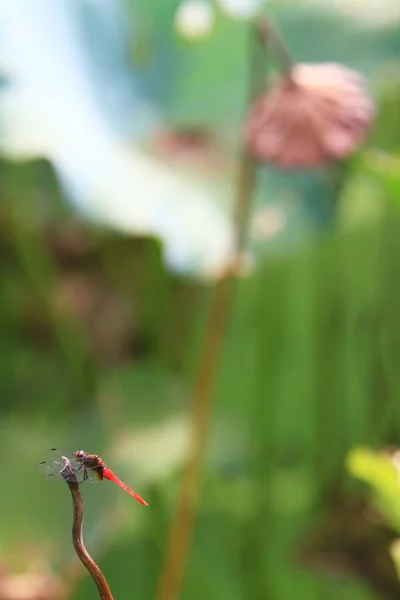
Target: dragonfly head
{"type": "Point", "coordinates": [79, 454]}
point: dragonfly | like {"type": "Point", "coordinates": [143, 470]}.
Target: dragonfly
{"type": "Point", "coordinates": [86, 467]}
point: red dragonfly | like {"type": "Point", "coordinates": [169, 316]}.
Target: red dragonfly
{"type": "Point", "coordinates": [86, 467]}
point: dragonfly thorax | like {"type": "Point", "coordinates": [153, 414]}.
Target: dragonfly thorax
{"type": "Point", "coordinates": [90, 461]}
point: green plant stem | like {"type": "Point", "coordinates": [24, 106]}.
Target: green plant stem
{"type": "Point", "coordinates": [178, 544]}
{"type": "Point", "coordinates": [270, 36]}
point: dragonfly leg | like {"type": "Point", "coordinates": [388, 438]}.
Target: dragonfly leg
{"type": "Point", "coordinates": [78, 469]}
{"type": "Point", "coordinates": [85, 474]}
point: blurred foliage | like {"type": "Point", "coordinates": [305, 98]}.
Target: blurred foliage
{"type": "Point", "coordinates": [99, 344]}
{"type": "Point", "coordinates": [378, 470]}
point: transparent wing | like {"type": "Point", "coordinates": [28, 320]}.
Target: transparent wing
{"type": "Point", "coordinates": [55, 462]}
{"type": "Point", "coordinates": [92, 477]}
{"type": "Point", "coordinates": [55, 455]}
{"type": "Point", "coordinates": [46, 469]}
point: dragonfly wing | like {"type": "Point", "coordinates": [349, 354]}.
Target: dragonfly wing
{"type": "Point", "coordinates": [55, 463]}
{"type": "Point", "coordinates": [55, 454]}
{"type": "Point", "coordinates": [93, 477]}
{"type": "Point", "coordinates": [46, 469]}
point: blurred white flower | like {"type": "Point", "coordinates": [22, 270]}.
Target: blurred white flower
{"type": "Point", "coordinates": [194, 18]}
{"type": "Point", "coordinates": [240, 9]}
{"type": "Point", "coordinates": [52, 108]}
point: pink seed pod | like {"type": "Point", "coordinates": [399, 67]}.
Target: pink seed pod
{"type": "Point", "coordinates": [318, 114]}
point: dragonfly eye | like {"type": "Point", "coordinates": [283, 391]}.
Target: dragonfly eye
{"type": "Point", "coordinates": [79, 454]}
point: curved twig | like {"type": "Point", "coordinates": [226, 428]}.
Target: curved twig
{"type": "Point", "coordinates": [77, 539]}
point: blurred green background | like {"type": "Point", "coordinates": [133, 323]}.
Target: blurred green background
{"type": "Point", "coordinates": [99, 344]}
